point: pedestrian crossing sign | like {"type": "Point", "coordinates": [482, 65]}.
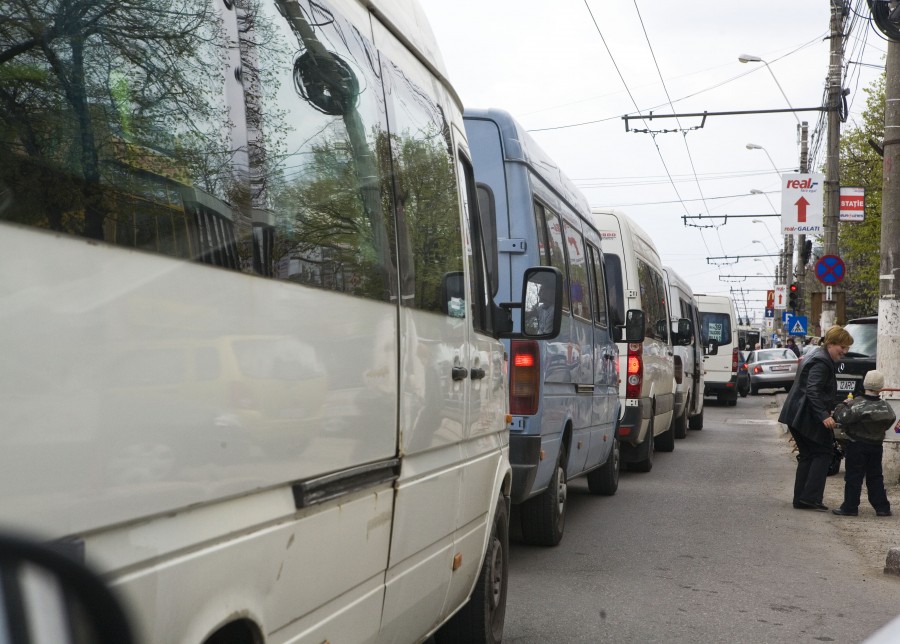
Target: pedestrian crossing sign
{"type": "Point", "coordinates": [798, 325]}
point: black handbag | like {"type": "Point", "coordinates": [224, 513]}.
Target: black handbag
{"type": "Point", "coordinates": [835, 466]}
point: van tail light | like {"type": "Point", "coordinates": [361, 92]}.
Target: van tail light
{"type": "Point", "coordinates": [635, 374]}
{"type": "Point", "coordinates": [524, 377]}
{"type": "Point", "coordinates": [734, 361]}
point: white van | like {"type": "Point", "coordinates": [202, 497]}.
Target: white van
{"type": "Point", "coordinates": [251, 367]}
{"type": "Point", "coordinates": [688, 356]}
{"type": "Point", "coordinates": [719, 333]}
{"type": "Point", "coordinates": [635, 280]}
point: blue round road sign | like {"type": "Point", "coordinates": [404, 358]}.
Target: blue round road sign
{"type": "Point", "coordinates": [830, 269]}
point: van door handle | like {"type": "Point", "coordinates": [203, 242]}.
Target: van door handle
{"type": "Point", "coordinates": [477, 374]}
{"type": "Point", "coordinates": [460, 373]}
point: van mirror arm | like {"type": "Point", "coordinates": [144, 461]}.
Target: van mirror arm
{"type": "Point", "coordinates": [503, 318]}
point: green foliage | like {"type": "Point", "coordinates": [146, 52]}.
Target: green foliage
{"type": "Point", "coordinates": [859, 243]}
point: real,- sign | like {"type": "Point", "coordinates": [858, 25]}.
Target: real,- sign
{"type": "Point", "coordinates": [801, 203]}
{"type": "Point", "coordinates": [853, 204]}
{"type": "Point", "coordinates": [780, 296]}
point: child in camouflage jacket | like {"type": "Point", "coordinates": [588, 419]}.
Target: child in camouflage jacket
{"type": "Point", "coordinates": [865, 420]}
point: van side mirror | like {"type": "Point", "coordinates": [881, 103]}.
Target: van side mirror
{"type": "Point", "coordinates": [540, 306]}
{"type": "Point", "coordinates": [634, 325]}
{"type": "Point", "coordinates": [542, 293]}
{"type": "Point", "coordinates": [453, 294]}
{"type": "Point", "coordinates": [685, 334]}
{"type": "Point", "coordinates": [662, 329]}
{"type": "Point", "coordinates": [45, 591]}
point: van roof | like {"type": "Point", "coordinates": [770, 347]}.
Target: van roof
{"type": "Point", "coordinates": [624, 219]}
{"type": "Point", "coordinates": [519, 146]}
{"type": "Point", "coordinates": [406, 20]}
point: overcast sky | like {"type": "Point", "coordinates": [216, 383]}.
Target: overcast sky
{"type": "Point", "coordinates": [568, 70]}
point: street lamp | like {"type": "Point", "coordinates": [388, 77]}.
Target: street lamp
{"type": "Point", "coordinates": [755, 191]}
{"type": "Point", "coordinates": [754, 146]}
{"type": "Point", "coordinates": [749, 58]}
{"type": "Point", "coordinates": [771, 236]}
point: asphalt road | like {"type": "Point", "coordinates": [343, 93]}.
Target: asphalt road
{"type": "Point", "coordinates": [705, 548]}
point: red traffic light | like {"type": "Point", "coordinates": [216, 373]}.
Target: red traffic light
{"type": "Point", "coordinates": [794, 287]}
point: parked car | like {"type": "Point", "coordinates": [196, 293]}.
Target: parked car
{"type": "Point", "coordinates": [743, 375]}
{"type": "Point", "coordinates": [860, 359]}
{"type": "Point", "coordinates": [771, 369]}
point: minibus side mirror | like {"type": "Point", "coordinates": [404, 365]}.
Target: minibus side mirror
{"type": "Point", "coordinates": [453, 294]}
{"type": "Point", "coordinates": [542, 294]}
{"type": "Point", "coordinates": [685, 335]}
{"type": "Point", "coordinates": [540, 307]}
{"type": "Point", "coordinates": [634, 326]}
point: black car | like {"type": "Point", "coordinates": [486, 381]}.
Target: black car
{"type": "Point", "coordinates": [860, 359]}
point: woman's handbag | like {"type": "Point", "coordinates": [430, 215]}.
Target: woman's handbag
{"type": "Point", "coordinates": [835, 466]}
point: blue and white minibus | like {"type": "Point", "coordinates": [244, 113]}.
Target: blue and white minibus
{"type": "Point", "coordinates": [563, 392]}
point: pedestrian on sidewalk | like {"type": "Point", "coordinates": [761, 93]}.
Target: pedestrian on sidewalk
{"type": "Point", "coordinates": [865, 420]}
{"type": "Point", "coordinates": [807, 413]}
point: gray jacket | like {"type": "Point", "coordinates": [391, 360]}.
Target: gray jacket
{"type": "Point", "coordinates": [866, 418]}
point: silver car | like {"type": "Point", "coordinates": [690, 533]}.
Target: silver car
{"type": "Point", "coordinates": [771, 369]}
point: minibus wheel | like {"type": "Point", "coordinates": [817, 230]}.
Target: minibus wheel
{"type": "Point", "coordinates": [544, 516]}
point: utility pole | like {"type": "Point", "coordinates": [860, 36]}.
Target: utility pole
{"type": "Point", "coordinates": [801, 239]}
{"type": "Point", "coordinates": [888, 357]}
{"type": "Point", "coordinates": [833, 170]}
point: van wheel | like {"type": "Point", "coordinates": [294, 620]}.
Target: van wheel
{"type": "Point", "coordinates": [680, 423]}
{"type": "Point", "coordinates": [605, 479]}
{"type": "Point", "coordinates": [544, 516]}
{"type": "Point", "coordinates": [696, 422]}
{"type": "Point", "coordinates": [665, 442]}
{"type": "Point", "coordinates": [481, 619]}
{"type": "Point", "coordinates": [646, 464]}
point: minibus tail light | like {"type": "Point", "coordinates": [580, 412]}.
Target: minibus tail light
{"type": "Point", "coordinates": [524, 378]}
{"type": "Point", "coordinates": [734, 361]}
{"type": "Point", "coordinates": [635, 375]}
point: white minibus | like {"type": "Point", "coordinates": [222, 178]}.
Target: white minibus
{"type": "Point", "coordinates": [635, 281]}
{"type": "Point", "coordinates": [688, 356]}
{"type": "Point", "coordinates": [251, 367]}
{"type": "Point", "coordinates": [719, 333]}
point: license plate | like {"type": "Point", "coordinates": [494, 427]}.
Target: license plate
{"type": "Point", "coordinates": [846, 385]}
{"type": "Point", "coordinates": [779, 367]}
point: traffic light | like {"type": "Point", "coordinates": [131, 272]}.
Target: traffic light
{"type": "Point", "coordinates": [806, 252]}
{"type": "Point", "coordinates": [793, 295]}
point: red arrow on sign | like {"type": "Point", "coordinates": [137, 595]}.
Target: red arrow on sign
{"type": "Point", "coordinates": [801, 204]}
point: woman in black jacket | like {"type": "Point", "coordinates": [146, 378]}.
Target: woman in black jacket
{"type": "Point", "coordinates": [807, 413]}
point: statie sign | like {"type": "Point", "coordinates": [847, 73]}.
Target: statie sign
{"type": "Point", "coordinates": [801, 203]}
{"type": "Point", "coordinates": [853, 203]}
